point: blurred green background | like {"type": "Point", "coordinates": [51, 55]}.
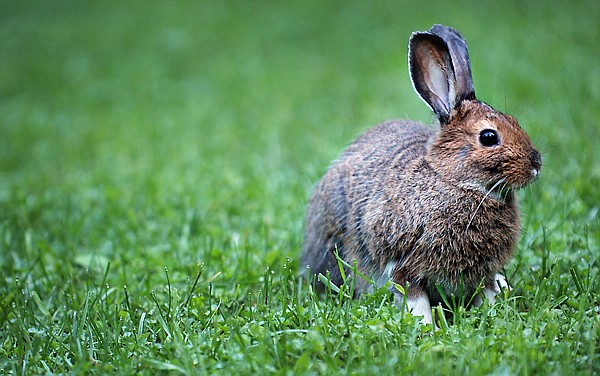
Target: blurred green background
{"type": "Point", "coordinates": [152, 134]}
{"type": "Point", "coordinates": [125, 123]}
{"type": "Point", "coordinates": [122, 122]}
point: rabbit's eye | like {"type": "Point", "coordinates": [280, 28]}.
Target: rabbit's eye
{"type": "Point", "coordinates": [489, 137]}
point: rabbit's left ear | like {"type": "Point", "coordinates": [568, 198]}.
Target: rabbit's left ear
{"type": "Point", "coordinates": [440, 69]}
{"type": "Point", "coordinates": [457, 45]}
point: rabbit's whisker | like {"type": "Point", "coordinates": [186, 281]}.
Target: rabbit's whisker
{"type": "Point", "coordinates": [498, 183]}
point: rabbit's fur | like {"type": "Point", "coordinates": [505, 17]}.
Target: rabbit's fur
{"type": "Point", "coordinates": [426, 206]}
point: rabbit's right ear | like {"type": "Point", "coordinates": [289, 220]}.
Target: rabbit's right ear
{"type": "Point", "coordinates": [440, 81]}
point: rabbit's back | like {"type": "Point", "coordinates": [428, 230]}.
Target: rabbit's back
{"type": "Point", "coordinates": [395, 141]}
{"type": "Point", "coordinates": [336, 207]}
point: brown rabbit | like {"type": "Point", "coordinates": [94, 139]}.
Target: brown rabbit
{"type": "Point", "coordinates": [427, 207]}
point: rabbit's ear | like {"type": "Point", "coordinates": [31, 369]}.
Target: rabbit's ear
{"type": "Point", "coordinates": [457, 45]}
{"type": "Point", "coordinates": [440, 70]}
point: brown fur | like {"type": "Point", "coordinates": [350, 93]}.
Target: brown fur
{"type": "Point", "coordinates": [420, 197]}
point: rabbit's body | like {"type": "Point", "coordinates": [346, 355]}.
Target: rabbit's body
{"type": "Point", "coordinates": [428, 238]}
{"type": "Point", "coordinates": [425, 207]}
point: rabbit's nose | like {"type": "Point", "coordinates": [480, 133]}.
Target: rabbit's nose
{"type": "Point", "coordinates": [536, 163]}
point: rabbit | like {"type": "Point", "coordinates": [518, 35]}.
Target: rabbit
{"type": "Point", "coordinates": [431, 208]}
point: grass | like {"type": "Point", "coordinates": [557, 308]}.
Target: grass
{"type": "Point", "coordinates": [155, 163]}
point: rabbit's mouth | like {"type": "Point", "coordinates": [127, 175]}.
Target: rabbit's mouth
{"type": "Point", "coordinates": [504, 186]}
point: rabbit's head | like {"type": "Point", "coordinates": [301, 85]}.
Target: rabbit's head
{"type": "Point", "coordinates": [477, 145]}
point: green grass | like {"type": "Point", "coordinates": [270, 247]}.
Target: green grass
{"type": "Point", "coordinates": [156, 159]}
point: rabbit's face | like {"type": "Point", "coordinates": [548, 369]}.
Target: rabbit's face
{"type": "Point", "coordinates": [485, 148]}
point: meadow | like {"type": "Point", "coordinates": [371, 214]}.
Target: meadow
{"type": "Point", "coordinates": [156, 160]}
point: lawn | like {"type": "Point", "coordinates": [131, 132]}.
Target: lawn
{"type": "Point", "coordinates": [156, 159]}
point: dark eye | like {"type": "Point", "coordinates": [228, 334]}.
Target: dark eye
{"type": "Point", "coordinates": [489, 137]}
